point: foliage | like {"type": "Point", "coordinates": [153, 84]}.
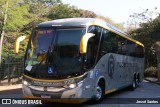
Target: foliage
{"type": "Point", "coordinates": [16, 18]}
{"type": "Point", "coordinates": [148, 33]}
{"type": "Point", "coordinates": [118, 25]}
{"type": "Point", "coordinates": [60, 11]}
{"type": "Point", "coordinates": [136, 19]}
{"type": "Point", "coordinates": [87, 13]}
{"type": "Point", "coordinates": [151, 72]}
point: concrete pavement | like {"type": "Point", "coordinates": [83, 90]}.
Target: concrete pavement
{"type": "Point", "coordinates": [153, 80]}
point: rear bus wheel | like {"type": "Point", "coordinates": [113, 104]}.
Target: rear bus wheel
{"type": "Point", "coordinates": [134, 83]}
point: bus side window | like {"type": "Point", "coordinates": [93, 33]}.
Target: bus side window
{"type": "Point", "coordinates": [131, 48]}
{"type": "Point", "coordinates": [105, 44]}
{"type": "Point", "coordinates": [92, 48]}
{"type": "Point", "coordinates": [121, 45]}
{"type": "Point", "coordinates": [110, 44]}
{"type": "Point", "coordinates": [135, 50]}
{"type": "Point", "coordinates": [139, 51]}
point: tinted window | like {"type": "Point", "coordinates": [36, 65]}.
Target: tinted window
{"type": "Point", "coordinates": [45, 38]}
{"type": "Point", "coordinates": [121, 45]}
{"type": "Point", "coordinates": [110, 44]}
{"type": "Point", "coordinates": [134, 49]}
{"type": "Point", "coordinates": [93, 46]}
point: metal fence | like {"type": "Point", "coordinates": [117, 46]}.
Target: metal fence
{"type": "Point", "coordinates": [11, 71]}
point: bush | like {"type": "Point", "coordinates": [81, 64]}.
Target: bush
{"type": "Point", "coordinates": [151, 72]}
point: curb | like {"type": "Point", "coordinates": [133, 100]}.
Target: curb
{"type": "Point", "coordinates": [158, 83]}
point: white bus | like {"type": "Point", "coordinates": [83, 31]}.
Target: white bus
{"type": "Point", "coordinates": [78, 59]}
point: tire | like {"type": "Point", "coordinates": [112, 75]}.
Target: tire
{"type": "Point", "coordinates": [137, 81]}
{"type": "Point", "coordinates": [134, 83]}
{"type": "Point", "coordinates": [99, 93]}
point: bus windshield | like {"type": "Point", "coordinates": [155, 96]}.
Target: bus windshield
{"type": "Point", "coordinates": [58, 49]}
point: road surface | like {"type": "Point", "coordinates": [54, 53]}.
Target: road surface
{"type": "Point", "coordinates": [145, 90]}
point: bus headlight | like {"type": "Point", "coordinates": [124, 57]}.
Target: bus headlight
{"type": "Point", "coordinates": [25, 83]}
{"type": "Point", "coordinates": [73, 85]}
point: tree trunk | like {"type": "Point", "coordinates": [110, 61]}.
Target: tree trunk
{"type": "Point", "coordinates": [158, 64]}
{"type": "Point", "coordinates": [1, 42]}
{"type": "Point", "coordinates": [3, 29]}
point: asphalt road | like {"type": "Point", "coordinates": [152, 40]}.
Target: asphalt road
{"type": "Point", "coordinates": [123, 98]}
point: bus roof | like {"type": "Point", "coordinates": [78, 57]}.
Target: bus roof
{"type": "Point", "coordinates": [82, 22]}
{"type": "Point", "coordinates": [69, 22]}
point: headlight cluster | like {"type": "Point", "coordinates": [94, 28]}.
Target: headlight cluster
{"type": "Point", "coordinates": [26, 83]}
{"type": "Point", "coordinates": [73, 85]}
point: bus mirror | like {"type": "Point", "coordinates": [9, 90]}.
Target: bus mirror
{"type": "Point", "coordinates": [84, 41]}
{"type": "Point", "coordinates": [17, 42]}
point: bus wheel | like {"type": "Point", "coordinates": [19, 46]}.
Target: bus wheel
{"type": "Point", "coordinates": [137, 80]}
{"type": "Point", "coordinates": [134, 83]}
{"type": "Point", "coordinates": [99, 92]}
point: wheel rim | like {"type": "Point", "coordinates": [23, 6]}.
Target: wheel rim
{"type": "Point", "coordinates": [134, 84]}
{"type": "Point", "coordinates": [99, 93]}
{"type": "Point", "coordinates": [136, 80]}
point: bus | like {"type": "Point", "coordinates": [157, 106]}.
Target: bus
{"type": "Point", "coordinates": [79, 59]}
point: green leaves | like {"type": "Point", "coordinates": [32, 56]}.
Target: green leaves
{"type": "Point", "coordinates": [148, 34]}
{"type": "Point", "coordinates": [16, 18]}
{"type": "Point", "coordinates": [63, 11]}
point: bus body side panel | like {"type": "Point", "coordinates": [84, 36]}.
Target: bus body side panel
{"type": "Point", "coordinates": [103, 71]}
{"type": "Point", "coordinates": [118, 70]}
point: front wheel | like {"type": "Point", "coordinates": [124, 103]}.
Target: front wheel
{"type": "Point", "coordinates": [99, 93]}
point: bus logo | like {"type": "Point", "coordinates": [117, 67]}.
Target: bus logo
{"type": "Point", "coordinates": [111, 66]}
{"type": "Point", "coordinates": [50, 70]}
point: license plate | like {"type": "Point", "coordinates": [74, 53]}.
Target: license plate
{"type": "Point", "coordinates": [45, 96]}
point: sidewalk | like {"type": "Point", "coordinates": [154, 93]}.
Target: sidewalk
{"type": "Point", "coordinates": [10, 87]}
{"type": "Point", "coordinates": [153, 80]}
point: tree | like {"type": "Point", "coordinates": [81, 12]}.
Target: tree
{"type": "Point", "coordinates": [148, 33]}
{"type": "Point", "coordinates": [87, 13]}
{"type": "Point", "coordinates": [136, 19]}
{"type": "Point", "coordinates": [12, 19]}
{"type": "Point", "coordinates": [38, 12]}
{"type": "Point", "coordinates": [108, 20]}
{"type": "Point", "coordinates": [156, 46]}
{"type": "Point", "coordinates": [4, 9]}
{"type": "Point", "coordinates": [23, 16]}
{"type": "Point", "coordinates": [60, 11]}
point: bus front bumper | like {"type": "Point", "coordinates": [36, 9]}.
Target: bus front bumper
{"type": "Point", "coordinates": [63, 96]}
